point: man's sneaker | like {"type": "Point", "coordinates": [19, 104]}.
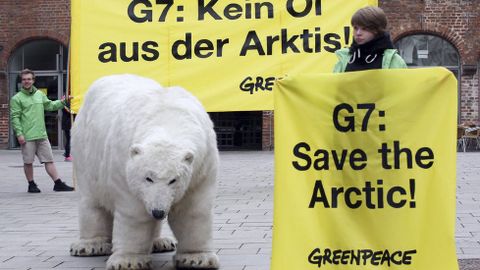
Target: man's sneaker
{"type": "Point", "coordinates": [61, 186]}
{"type": "Point", "coordinates": [32, 187]}
{"type": "Point", "coordinates": [69, 159]}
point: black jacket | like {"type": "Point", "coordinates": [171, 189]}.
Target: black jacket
{"type": "Point", "coordinates": [370, 54]}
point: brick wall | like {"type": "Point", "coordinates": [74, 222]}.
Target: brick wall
{"type": "Point", "coordinates": [267, 130]}
{"type": "Point", "coordinates": [4, 124]}
{"type": "Point", "coordinates": [22, 21]}
{"type": "Point", "coordinates": [469, 98]}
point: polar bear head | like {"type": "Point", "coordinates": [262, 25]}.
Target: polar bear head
{"type": "Point", "coordinates": [158, 174]}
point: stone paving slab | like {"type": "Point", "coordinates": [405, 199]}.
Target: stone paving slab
{"type": "Point", "coordinates": [36, 229]}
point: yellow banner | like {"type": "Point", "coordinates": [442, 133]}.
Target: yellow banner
{"type": "Point", "coordinates": [365, 171]}
{"type": "Point", "coordinates": [227, 53]}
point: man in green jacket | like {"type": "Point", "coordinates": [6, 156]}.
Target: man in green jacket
{"type": "Point", "coordinates": [28, 121]}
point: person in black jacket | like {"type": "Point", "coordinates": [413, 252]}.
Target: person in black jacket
{"type": "Point", "coordinates": [66, 126]}
{"type": "Point", "coordinates": [372, 46]}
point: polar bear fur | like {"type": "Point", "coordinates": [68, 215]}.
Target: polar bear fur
{"type": "Point", "coordinates": [141, 152]}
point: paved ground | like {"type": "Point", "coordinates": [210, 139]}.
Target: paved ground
{"type": "Point", "coordinates": [37, 229]}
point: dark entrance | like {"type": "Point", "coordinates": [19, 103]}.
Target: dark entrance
{"type": "Point", "coordinates": [238, 130]}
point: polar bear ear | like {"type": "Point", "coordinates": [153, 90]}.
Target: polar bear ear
{"type": "Point", "coordinates": [135, 150]}
{"type": "Point", "coordinates": [188, 158]}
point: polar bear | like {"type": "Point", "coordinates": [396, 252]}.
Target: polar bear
{"type": "Point", "coordinates": [143, 152]}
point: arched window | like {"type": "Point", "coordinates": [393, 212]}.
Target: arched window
{"type": "Point", "coordinates": [427, 51]}
{"type": "Point", "coordinates": [48, 59]}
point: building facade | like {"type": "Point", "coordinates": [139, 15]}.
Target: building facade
{"type": "Point", "coordinates": [35, 34]}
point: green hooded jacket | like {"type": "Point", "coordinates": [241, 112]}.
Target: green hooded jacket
{"type": "Point", "coordinates": [391, 59]}
{"type": "Point", "coordinates": [27, 113]}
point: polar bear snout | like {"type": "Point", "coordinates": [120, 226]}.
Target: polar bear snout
{"type": "Point", "coordinates": [158, 214]}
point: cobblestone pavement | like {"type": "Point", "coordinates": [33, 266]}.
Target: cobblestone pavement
{"type": "Point", "coordinates": [36, 229]}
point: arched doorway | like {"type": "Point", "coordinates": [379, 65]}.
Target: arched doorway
{"type": "Point", "coordinates": [425, 50]}
{"type": "Point", "coordinates": [48, 59]}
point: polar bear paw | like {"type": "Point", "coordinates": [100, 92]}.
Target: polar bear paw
{"type": "Point", "coordinates": [129, 261]}
{"type": "Point", "coordinates": [164, 244]}
{"type": "Point", "coordinates": [204, 261]}
{"type": "Point", "coordinates": [99, 246]}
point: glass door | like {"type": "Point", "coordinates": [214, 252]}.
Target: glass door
{"type": "Point", "coordinates": [49, 86]}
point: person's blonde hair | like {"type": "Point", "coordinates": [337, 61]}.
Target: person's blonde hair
{"type": "Point", "coordinates": [372, 18]}
{"type": "Point", "coordinates": [27, 71]}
